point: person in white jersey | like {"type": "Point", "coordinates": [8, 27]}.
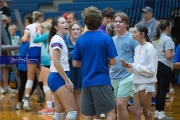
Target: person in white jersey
{"type": "Point", "coordinates": [34, 53]}
{"type": "Point", "coordinates": [58, 80]}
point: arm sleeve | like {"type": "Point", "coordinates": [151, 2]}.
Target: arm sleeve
{"type": "Point", "coordinates": [76, 53]}
{"type": "Point", "coordinates": [177, 55]}
{"type": "Point", "coordinates": [27, 29]}
{"type": "Point", "coordinates": [41, 38]}
{"type": "Point", "coordinates": [112, 53]}
{"type": "Point", "coordinates": [150, 68]}
{"type": "Point", "coordinates": [56, 44]}
{"type": "Point", "coordinates": [169, 44]}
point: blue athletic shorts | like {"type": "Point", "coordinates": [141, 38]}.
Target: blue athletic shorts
{"type": "Point", "coordinates": [34, 53]}
{"type": "Point", "coordinates": [55, 81]}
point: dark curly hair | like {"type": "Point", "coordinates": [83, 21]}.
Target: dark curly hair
{"type": "Point", "coordinates": [92, 18]}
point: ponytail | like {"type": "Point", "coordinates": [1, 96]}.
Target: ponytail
{"type": "Point", "coordinates": [52, 32]}
{"type": "Point", "coordinates": [158, 33]}
{"type": "Point", "coordinates": [147, 38]}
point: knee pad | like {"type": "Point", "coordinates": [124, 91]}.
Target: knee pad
{"type": "Point", "coordinates": [71, 115]}
{"type": "Point", "coordinates": [46, 88]}
{"type": "Point", "coordinates": [29, 84]}
{"type": "Point", "coordinates": [58, 116]}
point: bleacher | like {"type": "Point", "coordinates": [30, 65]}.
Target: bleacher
{"type": "Point", "coordinates": [162, 9]}
{"type": "Point", "coordinates": [26, 6]}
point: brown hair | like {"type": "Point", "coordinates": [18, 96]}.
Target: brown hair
{"type": "Point", "coordinates": [163, 24]}
{"type": "Point", "coordinates": [53, 31]}
{"type": "Point", "coordinates": [71, 25]}
{"type": "Point", "coordinates": [92, 18]}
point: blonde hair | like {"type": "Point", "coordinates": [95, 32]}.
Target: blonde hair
{"type": "Point", "coordinates": [36, 15]}
{"type": "Point", "coordinates": [110, 29]}
{"type": "Point", "coordinates": [71, 25]}
{"type": "Point", "coordinates": [131, 29]}
{"type": "Point", "coordinates": [124, 18]}
{"type": "Point", "coordinates": [12, 27]}
{"type": "Point", "coordinates": [46, 25]}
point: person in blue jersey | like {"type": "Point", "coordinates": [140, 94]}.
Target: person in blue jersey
{"type": "Point", "coordinates": [58, 80]}
{"type": "Point", "coordinates": [75, 31]}
{"type": "Point", "coordinates": [22, 70]}
{"type": "Point", "coordinates": [121, 79]}
{"type": "Point", "coordinates": [34, 51]}
{"type": "Point", "coordinates": [41, 37]}
{"type": "Point", "coordinates": [176, 61]}
{"type": "Point", "coordinates": [94, 52]}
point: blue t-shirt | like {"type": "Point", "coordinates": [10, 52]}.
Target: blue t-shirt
{"type": "Point", "coordinates": [24, 48]}
{"type": "Point", "coordinates": [177, 59]}
{"type": "Point", "coordinates": [93, 49]}
{"type": "Point", "coordinates": [125, 47]}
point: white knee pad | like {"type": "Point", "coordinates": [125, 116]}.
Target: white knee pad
{"type": "Point", "coordinates": [58, 116]}
{"type": "Point", "coordinates": [46, 88]}
{"type": "Point", "coordinates": [29, 84]}
{"type": "Point", "coordinates": [71, 115]}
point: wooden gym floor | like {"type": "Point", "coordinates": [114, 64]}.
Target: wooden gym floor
{"type": "Point", "coordinates": [8, 108]}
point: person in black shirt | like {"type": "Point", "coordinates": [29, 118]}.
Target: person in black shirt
{"type": "Point", "coordinates": [5, 10]}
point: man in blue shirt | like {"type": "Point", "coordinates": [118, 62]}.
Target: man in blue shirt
{"type": "Point", "coordinates": [94, 52]}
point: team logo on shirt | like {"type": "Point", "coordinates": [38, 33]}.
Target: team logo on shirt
{"type": "Point", "coordinates": [56, 45]}
{"type": "Point", "coordinates": [27, 29]}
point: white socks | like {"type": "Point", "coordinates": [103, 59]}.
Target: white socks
{"type": "Point", "coordinates": [49, 104]}
{"type": "Point", "coordinates": [58, 116]}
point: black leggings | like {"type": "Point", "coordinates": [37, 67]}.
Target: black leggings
{"type": "Point", "coordinates": [164, 76]}
{"type": "Point", "coordinates": [23, 79]}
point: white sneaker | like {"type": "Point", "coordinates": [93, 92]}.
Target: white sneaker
{"type": "Point", "coordinates": [26, 105]}
{"type": "Point", "coordinates": [156, 115]}
{"type": "Point", "coordinates": [16, 91]}
{"type": "Point", "coordinates": [9, 89]}
{"type": "Point", "coordinates": [171, 91]}
{"type": "Point", "coordinates": [102, 116]}
{"type": "Point", "coordinates": [19, 106]}
{"type": "Point", "coordinates": [29, 102]}
{"type": "Point", "coordinates": [2, 90]}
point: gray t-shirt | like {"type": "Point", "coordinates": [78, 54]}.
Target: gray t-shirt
{"type": "Point", "coordinates": [164, 43]}
{"type": "Point", "coordinates": [151, 25]}
{"type": "Point", "coordinates": [125, 47]}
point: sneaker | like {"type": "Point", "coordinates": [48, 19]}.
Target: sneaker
{"type": "Point", "coordinates": [29, 102]}
{"type": "Point", "coordinates": [19, 106]}
{"type": "Point", "coordinates": [171, 91]}
{"type": "Point", "coordinates": [26, 105]}
{"type": "Point", "coordinates": [16, 91]}
{"type": "Point", "coordinates": [156, 115]}
{"type": "Point", "coordinates": [9, 89]}
{"type": "Point", "coordinates": [166, 118]}
{"type": "Point", "coordinates": [131, 102]}
{"type": "Point", "coordinates": [153, 101]}
{"type": "Point", "coordinates": [2, 90]}
{"type": "Point", "coordinates": [46, 111]}
{"type": "Point", "coordinates": [102, 116]}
